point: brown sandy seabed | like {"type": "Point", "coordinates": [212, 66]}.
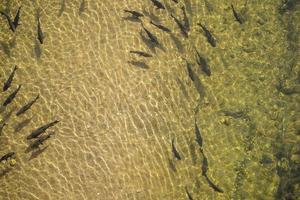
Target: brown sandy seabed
{"type": "Point", "coordinates": [117, 120]}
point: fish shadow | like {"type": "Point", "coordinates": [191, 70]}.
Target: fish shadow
{"type": "Point", "coordinates": [139, 64]}
{"type": "Point", "coordinates": [172, 165]}
{"type": "Point", "coordinates": [36, 153]}
{"type": "Point", "coordinates": [22, 124]}
{"type": "Point", "coordinates": [5, 171]}
{"type": "Point", "coordinates": [151, 45]}
{"type": "Point", "coordinates": [37, 49]}
{"type": "Point", "coordinates": [177, 43]}
{"type": "Point", "coordinates": [5, 48]}
{"type": "Point", "coordinates": [7, 115]}
{"type": "Point", "coordinates": [151, 16]}
{"type": "Point", "coordinates": [132, 19]}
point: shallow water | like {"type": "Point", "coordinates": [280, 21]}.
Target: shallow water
{"type": "Point", "coordinates": [117, 120]}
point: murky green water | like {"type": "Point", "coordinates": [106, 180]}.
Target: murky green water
{"type": "Point", "coordinates": [118, 120]}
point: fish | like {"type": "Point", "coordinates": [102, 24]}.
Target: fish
{"type": "Point", "coordinates": [175, 152]}
{"type": "Point", "coordinates": [141, 53]}
{"type": "Point", "coordinates": [27, 106]}
{"type": "Point", "coordinates": [40, 130]}
{"type": "Point", "coordinates": [203, 64]}
{"type": "Point", "coordinates": [40, 33]}
{"type": "Point", "coordinates": [9, 20]}
{"type": "Point", "coordinates": [11, 97]}
{"type": "Point", "coordinates": [210, 38]}
{"type": "Point", "coordinates": [181, 26]}
{"type": "Point", "coordinates": [152, 37]}
{"type": "Point", "coordinates": [135, 14]}
{"type": "Point", "coordinates": [198, 136]}
{"type": "Point", "coordinates": [175, 1]}
{"type": "Point", "coordinates": [40, 141]}
{"type": "Point", "coordinates": [204, 166]}
{"type": "Point", "coordinates": [17, 18]}
{"type": "Point", "coordinates": [212, 185]}
{"type": "Point", "coordinates": [8, 82]}
{"type": "Point", "coordinates": [235, 14]}
{"type": "Point", "coordinates": [7, 156]}
{"type": "Point", "coordinates": [188, 194]}
{"type": "Point", "coordinates": [161, 27]}
{"type": "Point", "coordinates": [158, 4]}
{"type": "Point", "coordinates": [186, 23]}
{"type": "Point", "coordinates": [190, 71]}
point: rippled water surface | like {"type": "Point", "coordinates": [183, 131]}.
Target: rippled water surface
{"type": "Point", "coordinates": [119, 112]}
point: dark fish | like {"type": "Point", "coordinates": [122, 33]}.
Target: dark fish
{"type": "Point", "coordinates": [203, 64]}
{"type": "Point", "coordinates": [152, 37]}
{"type": "Point", "coordinates": [139, 64]}
{"type": "Point", "coordinates": [17, 18]}
{"type": "Point", "coordinates": [7, 156]}
{"type": "Point", "coordinates": [10, 79]}
{"type": "Point", "coordinates": [198, 136]}
{"type": "Point", "coordinates": [186, 23]}
{"type": "Point", "coordinates": [213, 186]}
{"type": "Point", "coordinates": [158, 4]}
{"type": "Point", "coordinates": [40, 141]}
{"type": "Point", "coordinates": [40, 33]}
{"type": "Point", "coordinates": [10, 22]}
{"type": "Point", "coordinates": [161, 27]}
{"type": "Point", "coordinates": [41, 130]}
{"type": "Point", "coordinates": [141, 53]}
{"type": "Point", "coordinates": [11, 97]}
{"type": "Point", "coordinates": [27, 106]}
{"type": "Point", "coordinates": [204, 165]}
{"type": "Point", "coordinates": [190, 71]}
{"type": "Point", "coordinates": [181, 26]}
{"type": "Point", "coordinates": [175, 152]}
{"type": "Point", "coordinates": [175, 1]}
{"type": "Point", "coordinates": [134, 13]}
{"type": "Point", "coordinates": [210, 38]}
{"type": "Point", "coordinates": [237, 17]}
{"type": "Point", "coordinates": [188, 194]}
